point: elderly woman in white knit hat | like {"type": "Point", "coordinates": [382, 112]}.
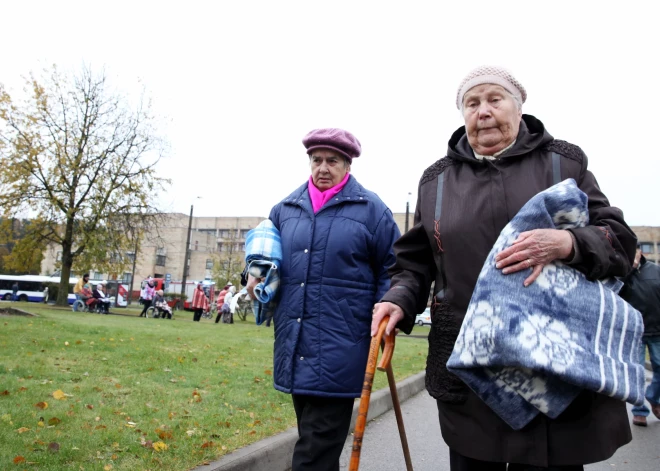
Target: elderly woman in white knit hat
{"type": "Point", "coordinates": [494, 164]}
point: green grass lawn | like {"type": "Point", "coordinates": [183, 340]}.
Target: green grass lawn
{"type": "Point", "coordinates": [141, 394]}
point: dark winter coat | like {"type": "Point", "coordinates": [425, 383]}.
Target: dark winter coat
{"type": "Point", "coordinates": [448, 245]}
{"type": "Point", "coordinates": [334, 268]}
{"type": "Point", "coordinates": [642, 291]}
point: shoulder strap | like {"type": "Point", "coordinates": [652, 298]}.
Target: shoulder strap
{"type": "Point", "coordinates": [556, 168]}
{"type": "Point", "coordinates": [440, 281]}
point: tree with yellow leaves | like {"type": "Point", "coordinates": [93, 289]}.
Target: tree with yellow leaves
{"type": "Point", "coordinates": [80, 160]}
{"type": "Point", "coordinates": [18, 255]}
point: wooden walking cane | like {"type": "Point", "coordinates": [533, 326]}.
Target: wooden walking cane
{"type": "Point", "coordinates": [385, 365]}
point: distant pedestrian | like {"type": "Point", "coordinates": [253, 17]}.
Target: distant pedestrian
{"type": "Point", "coordinates": [200, 302]}
{"type": "Point", "coordinates": [14, 291]}
{"type": "Point", "coordinates": [99, 294]}
{"type": "Point", "coordinates": [163, 309]}
{"type": "Point", "coordinates": [45, 294]}
{"type": "Point", "coordinates": [77, 290]}
{"type": "Point", "coordinates": [642, 291]}
{"type": "Point", "coordinates": [220, 301]}
{"type": "Point", "coordinates": [227, 313]}
{"type": "Point", "coordinates": [148, 296]}
{"type": "Point", "coordinates": [269, 315]}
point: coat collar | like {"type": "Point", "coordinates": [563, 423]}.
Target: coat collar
{"type": "Point", "coordinates": [352, 192]}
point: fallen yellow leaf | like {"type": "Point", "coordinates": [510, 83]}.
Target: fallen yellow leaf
{"type": "Point", "coordinates": [160, 446]}
{"type": "Point", "coordinates": [23, 429]}
{"type": "Point", "coordinates": [107, 467]}
{"type": "Point", "coordinates": [41, 405]}
{"type": "Point", "coordinates": [59, 394]}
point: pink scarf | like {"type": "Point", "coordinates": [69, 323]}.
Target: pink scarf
{"type": "Point", "coordinates": [319, 198]}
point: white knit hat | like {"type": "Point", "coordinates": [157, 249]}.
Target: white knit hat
{"type": "Point", "coordinates": [490, 74]}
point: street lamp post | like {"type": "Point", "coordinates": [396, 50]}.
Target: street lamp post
{"type": "Point", "coordinates": [187, 255]}
{"type": "Point", "coordinates": [407, 210]}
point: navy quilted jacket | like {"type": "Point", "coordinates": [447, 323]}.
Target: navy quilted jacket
{"type": "Point", "coordinates": [334, 269]}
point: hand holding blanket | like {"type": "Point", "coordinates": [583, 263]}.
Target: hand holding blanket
{"type": "Point", "coordinates": [525, 350]}
{"type": "Point", "coordinates": [263, 254]}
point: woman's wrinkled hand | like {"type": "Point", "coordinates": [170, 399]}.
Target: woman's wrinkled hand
{"type": "Point", "coordinates": [252, 282]}
{"type": "Point", "coordinates": [535, 249]}
{"type": "Point", "coordinates": [385, 309]}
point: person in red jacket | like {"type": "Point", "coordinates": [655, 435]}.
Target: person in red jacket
{"type": "Point", "coordinates": [200, 302]}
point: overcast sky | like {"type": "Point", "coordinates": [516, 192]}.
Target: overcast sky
{"type": "Point", "coordinates": [239, 84]}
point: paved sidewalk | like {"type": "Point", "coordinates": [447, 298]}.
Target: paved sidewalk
{"type": "Point", "coordinates": [381, 448]}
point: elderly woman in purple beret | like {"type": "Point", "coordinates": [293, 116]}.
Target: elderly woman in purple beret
{"type": "Point", "coordinates": [337, 242]}
{"type": "Point", "coordinates": [494, 164]}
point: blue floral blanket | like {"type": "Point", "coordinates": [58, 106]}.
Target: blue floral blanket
{"type": "Point", "coordinates": [263, 254]}
{"type": "Point", "coordinates": [526, 351]}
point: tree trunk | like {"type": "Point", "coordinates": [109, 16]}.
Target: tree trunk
{"type": "Point", "coordinates": [135, 255]}
{"type": "Point", "coordinates": [63, 291]}
{"type": "Point", "coordinates": [67, 262]}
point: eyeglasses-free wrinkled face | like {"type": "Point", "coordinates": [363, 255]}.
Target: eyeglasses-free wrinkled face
{"type": "Point", "coordinates": [328, 168]}
{"type": "Point", "coordinates": [492, 118]}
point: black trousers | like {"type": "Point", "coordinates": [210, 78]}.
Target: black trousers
{"type": "Point", "coordinates": [198, 315]}
{"type": "Point", "coordinates": [463, 463]}
{"type": "Point", "coordinates": [323, 424]}
{"type": "Point", "coordinates": [147, 305]}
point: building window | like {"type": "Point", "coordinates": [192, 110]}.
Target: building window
{"type": "Point", "coordinates": [126, 279]}
{"type": "Point", "coordinates": [244, 233]}
{"type": "Point", "coordinates": [647, 247]}
{"type": "Point", "coordinates": [221, 247]}
{"type": "Point", "coordinates": [224, 233]}
{"type": "Point", "coordinates": [209, 264]}
{"type": "Point", "coordinates": [130, 256]}
{"type": "Point", "coordinates": [161, 256]}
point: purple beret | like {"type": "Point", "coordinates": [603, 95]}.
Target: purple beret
{"type": "Point", "coordinates": [335, 139]}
